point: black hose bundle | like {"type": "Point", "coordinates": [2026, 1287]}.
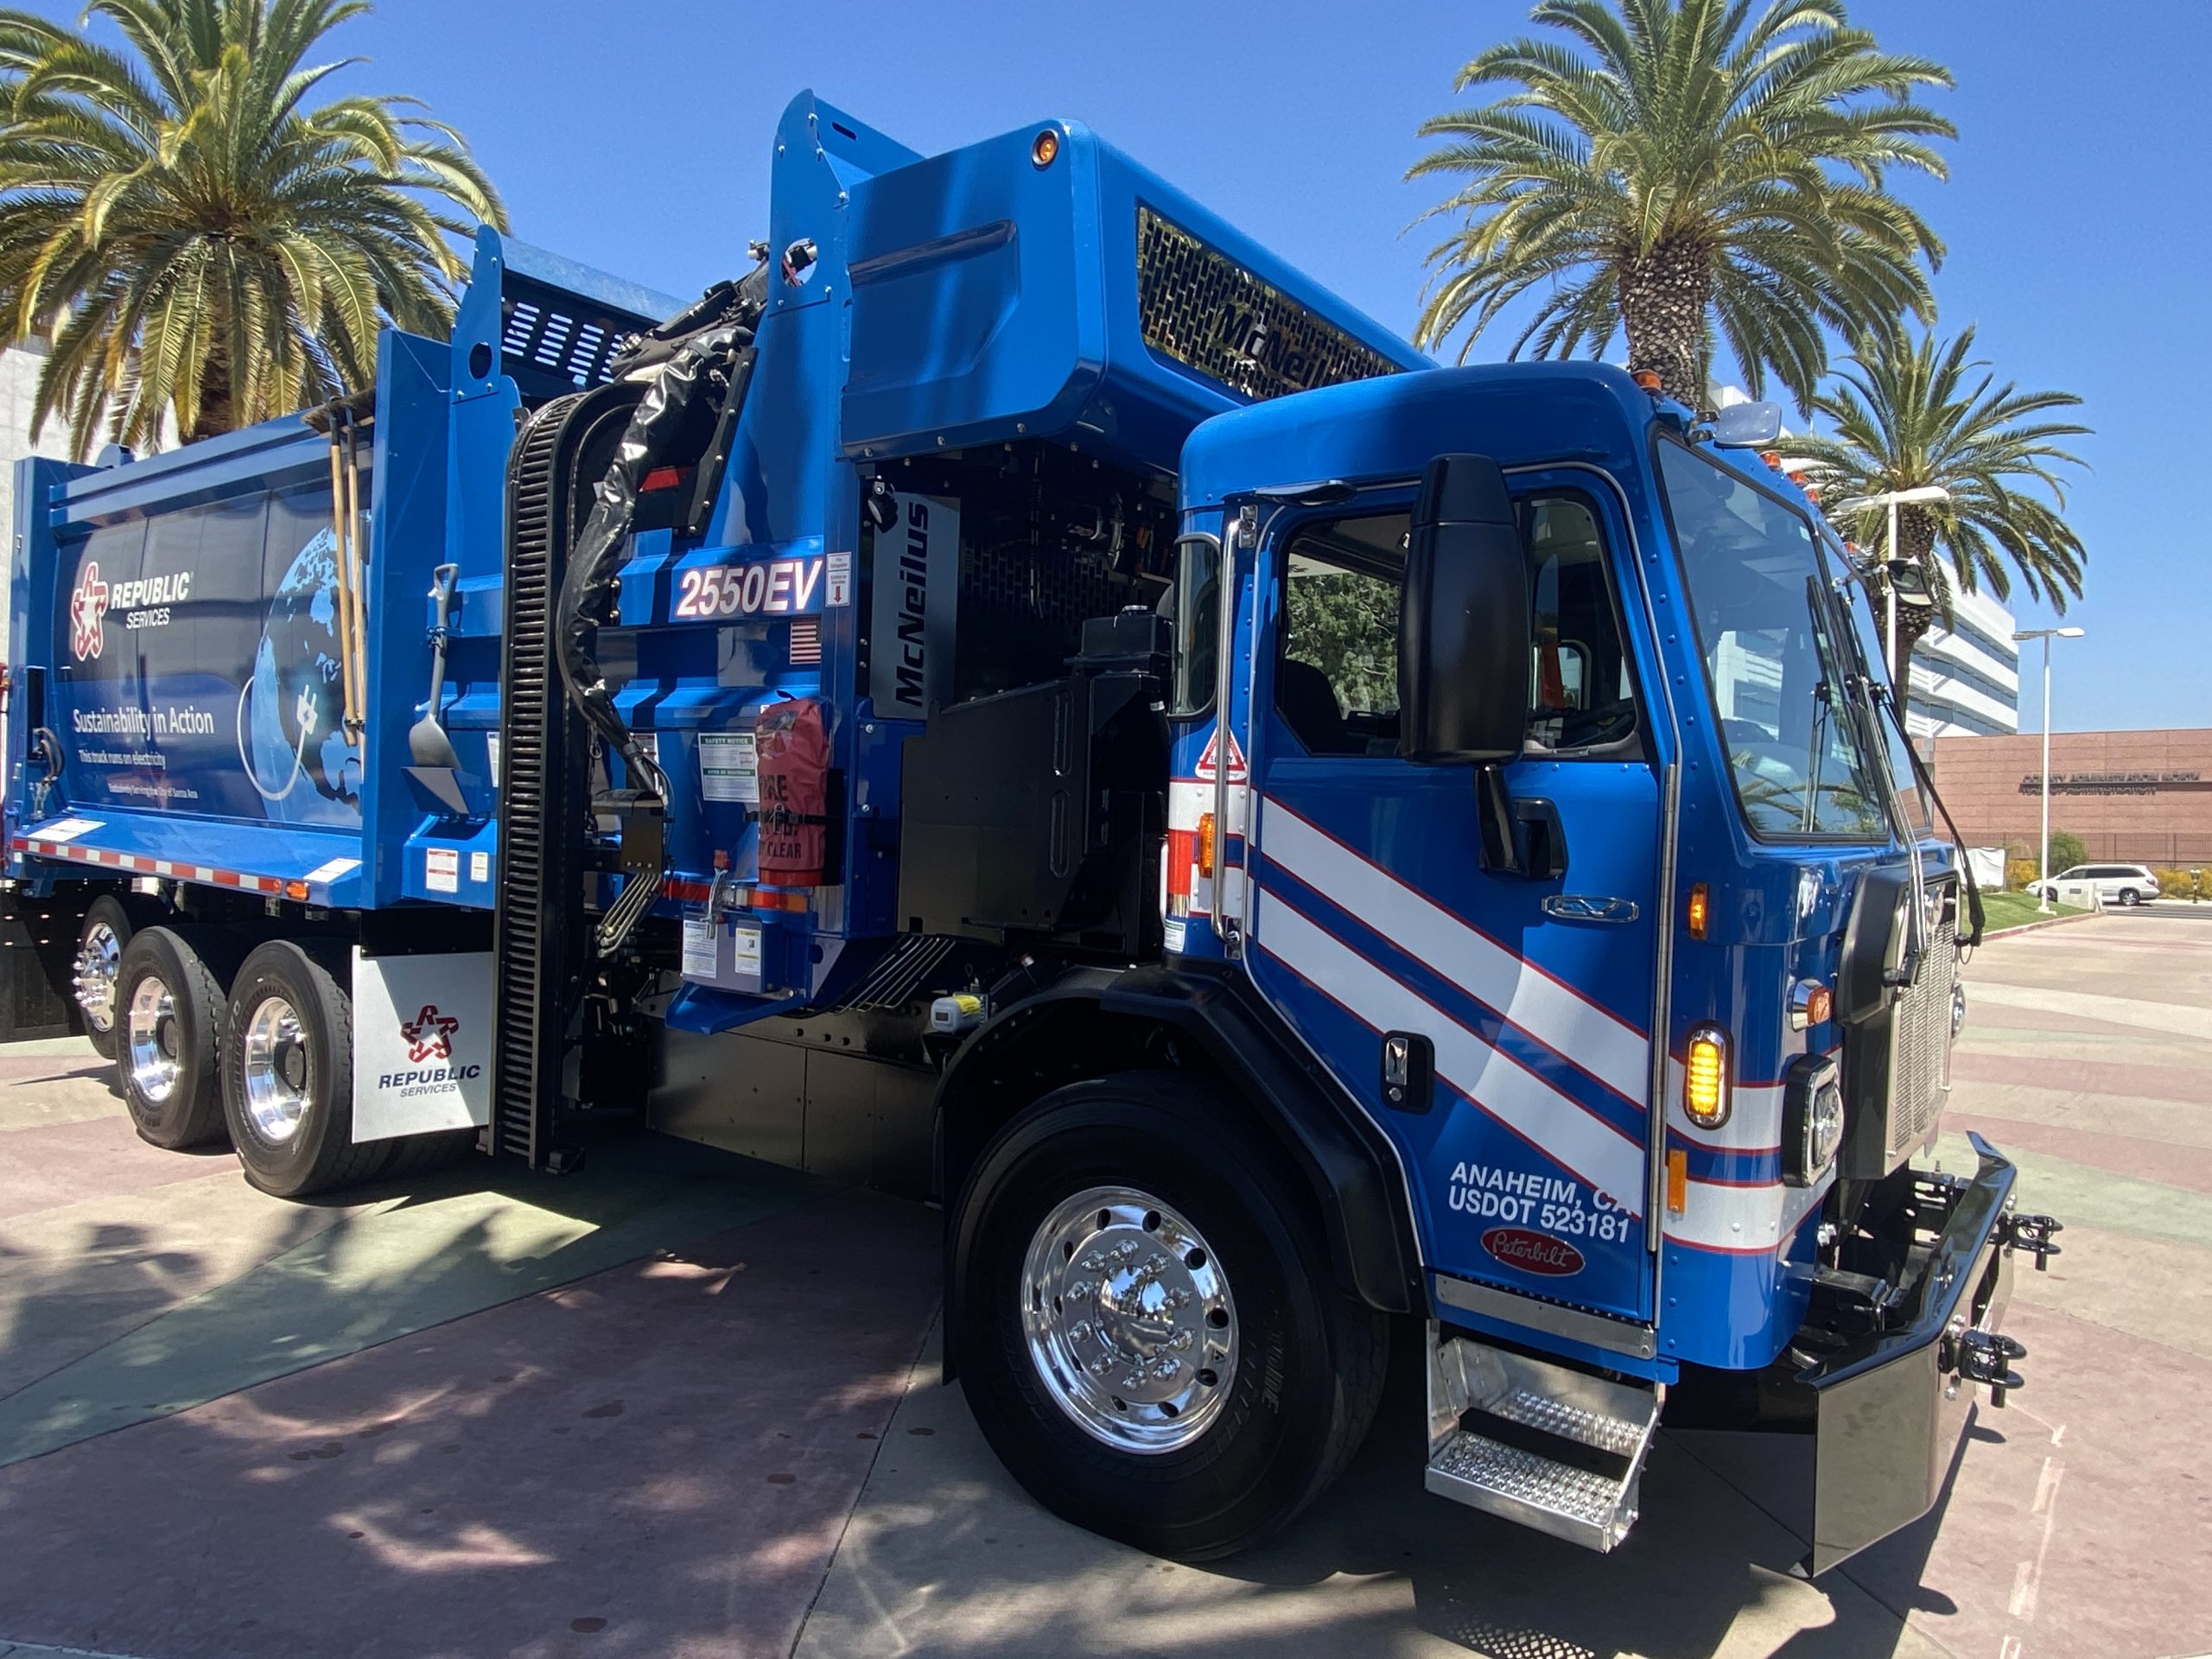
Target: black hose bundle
{"type": "Point", "coordinates": [706, 352]}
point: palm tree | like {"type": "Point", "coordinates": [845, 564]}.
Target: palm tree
{"type": "Point", "coordinates": [200, 241]}
{"type": "Point", "coordinates": [1908, 412]}
{"type": "Point", "coordinates": [1690, 172]}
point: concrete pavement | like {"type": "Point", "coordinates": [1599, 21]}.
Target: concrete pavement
{"type": "Point", "coordinates": [685, 1404]}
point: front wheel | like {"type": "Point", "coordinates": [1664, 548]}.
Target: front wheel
{"type": "Point", "coordinates": [1145, 1323]}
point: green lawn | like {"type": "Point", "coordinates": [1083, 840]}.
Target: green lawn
{"type": "Point", "coordinates": [2005, 910]}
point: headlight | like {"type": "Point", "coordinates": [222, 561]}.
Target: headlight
{"type": "Point", "coordinates": [1812, 1118]}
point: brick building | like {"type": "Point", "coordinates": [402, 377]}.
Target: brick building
{"type": "Point", "coordinates": [2139, 797]}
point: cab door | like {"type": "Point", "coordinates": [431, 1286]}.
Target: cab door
{"type": "Point", "coordinates": [1494, 1020]}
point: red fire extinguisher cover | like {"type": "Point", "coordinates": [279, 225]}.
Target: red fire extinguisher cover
{"type": "Point", "coordinates": [792, 745]}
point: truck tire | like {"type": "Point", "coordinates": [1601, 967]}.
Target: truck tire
{"type": "Point", "coordinates": [169, 1030]}
{"type": "Point", "coordinates": [288, 1073]}
{"type": "Point", "coordinates": [109, 923]}
{"type": "Point", "coordinates": [1144, 1320]}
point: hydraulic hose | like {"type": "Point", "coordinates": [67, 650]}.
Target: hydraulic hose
{"type": "Point", "coordinates": [711, 362]}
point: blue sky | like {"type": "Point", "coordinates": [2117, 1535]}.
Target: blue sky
{"type": "Point", "coordinates": [2078, 215]}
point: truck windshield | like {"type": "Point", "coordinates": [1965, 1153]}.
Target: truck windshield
{"type": "Point", "coordinates": [1778, 672]}
{"type": "Point", "coordinates": [1852, 599]}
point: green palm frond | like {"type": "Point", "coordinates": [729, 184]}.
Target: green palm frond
{"type": "Point", "coordinates": [1908, 411]}
{"type": "Point", "coordinates": [1718, 170]}
{"type": "Point", "coordinates": [202, 240]}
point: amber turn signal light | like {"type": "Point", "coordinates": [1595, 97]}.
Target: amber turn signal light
{"type": "Point", "coordinates": [1700, 909]}
{"type": "Point", "coordinates": [1705, 1077]}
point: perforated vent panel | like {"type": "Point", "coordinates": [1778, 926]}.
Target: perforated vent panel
{"type": "Point", "coordinates": [1203, 310]}
{"type": "Point", "coordinates": [576, 349]}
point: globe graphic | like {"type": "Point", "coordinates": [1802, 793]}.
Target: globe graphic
{"type": "Point", "coordinates": [300, 755]}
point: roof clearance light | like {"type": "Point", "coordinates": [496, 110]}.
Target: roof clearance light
{"type": "Point", "coordinates": [1700, 909]}
{"type": "Point", "coordinates": [1647, 378]}
{"type": "Point", "coordinates": [1705, 1077]}
{"type": "Point", "coordinates": [1044, 147]}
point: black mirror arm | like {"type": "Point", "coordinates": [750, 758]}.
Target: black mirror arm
{"type": "Point", "coordinates": [1501, 848]}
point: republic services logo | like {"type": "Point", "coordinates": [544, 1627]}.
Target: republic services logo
{"type": "Point", "coordinates": [429, 1034]}
{"type": "Point", "coordinates": [88, 606]}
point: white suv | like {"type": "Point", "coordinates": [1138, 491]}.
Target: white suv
{"type": "Point", "coordinates": [2117, 884]}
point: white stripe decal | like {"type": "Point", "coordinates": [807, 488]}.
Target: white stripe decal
{"type": "Point", "coordinates": [1592, 1037]}
{"type": "Point", "coordinates": [1518, 1098]}
{"type": "Point", "coordinates": [1743, 1220]}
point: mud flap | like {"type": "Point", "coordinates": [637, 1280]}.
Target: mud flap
{"type": "Point", "coordinates": [38, 937]}
{"type": "Point", "coordinates": [1891, 1410]}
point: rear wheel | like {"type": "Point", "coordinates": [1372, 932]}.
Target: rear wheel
{"type": "Point", "coordinates": [2130, 898]}
{"type": "Point", "coordinates": [109, 923]}
{"type": "Point", "coordinates": [1145, 1322]}
{"type": "Point", "coordinates": [168, 1030]}
{"type": "Point", "coordinates": [288, 1073]}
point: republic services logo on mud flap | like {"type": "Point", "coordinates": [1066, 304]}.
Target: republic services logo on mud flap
{"type": "Point", "coordinates": [428, 1036]}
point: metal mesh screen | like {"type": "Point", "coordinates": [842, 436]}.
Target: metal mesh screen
{"type": "Point", "coordinates": [1203, 309]}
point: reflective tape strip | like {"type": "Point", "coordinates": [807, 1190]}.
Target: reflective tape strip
{"type": "Point", "coordinates": [140, 865]}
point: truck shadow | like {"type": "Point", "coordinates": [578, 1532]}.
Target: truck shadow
{"type": "Point", "coordinates": [1711, 1566]}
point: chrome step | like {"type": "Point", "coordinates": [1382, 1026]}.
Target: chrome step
{"type": "Point", "coordinates": [1478, 1396]}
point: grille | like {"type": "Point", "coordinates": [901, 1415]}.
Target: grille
{"type": "Point", "coordinates": [1200, 308]}
{"type": "Point", "coordinates": [1920, 1036]}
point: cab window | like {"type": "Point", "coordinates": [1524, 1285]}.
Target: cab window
{"type": "Point", "coordinates": [1336, 674]}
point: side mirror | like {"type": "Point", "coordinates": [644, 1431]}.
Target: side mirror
{"type": "Point", "coordinates": [1463, 625]}
{"type": "Point", "coordinates": [1747, 426]}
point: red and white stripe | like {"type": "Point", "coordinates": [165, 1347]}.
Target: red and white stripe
{"type": "Point", "coordinates": [1590, 1035]}
{"type": "Point", "coordinates": [1723, 1217]}
{"type": "Point", "coordinates": [66, 847]}
{"type": "Point", "coordinates": [138, 864]}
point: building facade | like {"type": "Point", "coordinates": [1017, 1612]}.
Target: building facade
{"type": "Point", "coordinates": [2135, 797]}
{"type": "Point", "coordinates": [1965, 678]}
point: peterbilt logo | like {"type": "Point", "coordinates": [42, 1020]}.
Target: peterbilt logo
{"type": "Point", "coordinates": [429, 1034]}
{"type": "Point", "coordinates": [88, 606]}
{"type": "Point", "coordinates": [1533, 1252]}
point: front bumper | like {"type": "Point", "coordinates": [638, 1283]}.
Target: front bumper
{"type": "Point", "coordinates": [1893, 1405]}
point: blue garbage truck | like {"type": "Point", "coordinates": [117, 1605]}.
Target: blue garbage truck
{"type": "Point", "coordinates": [1023, 700]}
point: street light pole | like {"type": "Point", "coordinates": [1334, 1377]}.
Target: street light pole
{"type": "Point", "coordinates": [2043, 882]}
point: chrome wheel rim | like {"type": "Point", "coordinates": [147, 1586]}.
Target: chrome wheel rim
{"type": "Point", "coordinates": [275, 1070]}
{"type": "Point", "coordinates": [1128, 1320]}
{"type": "Point", "coordinates": [98, 957]}
{"type": "Point", "coordinates": [156, 1044]}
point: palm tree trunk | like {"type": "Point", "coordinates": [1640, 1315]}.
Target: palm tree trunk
{"type": "Point", "coordinates": [218, 411]}
{"type": "Point", "coordinates": [1916, 542]}
{"type": "Point", "coordinates": [1664, 294]}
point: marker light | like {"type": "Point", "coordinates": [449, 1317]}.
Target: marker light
{"type": "Point", "coordinates": [1044, 147]}
{"type": "Point", "coordinates": [1647, 378]}
{"type": "Point", "coordinates": [1206, 844]}
{"type": "Point", "coordinates": [1700, 909]}
{"type": "Point", "coordinates": [1705, 1077]}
